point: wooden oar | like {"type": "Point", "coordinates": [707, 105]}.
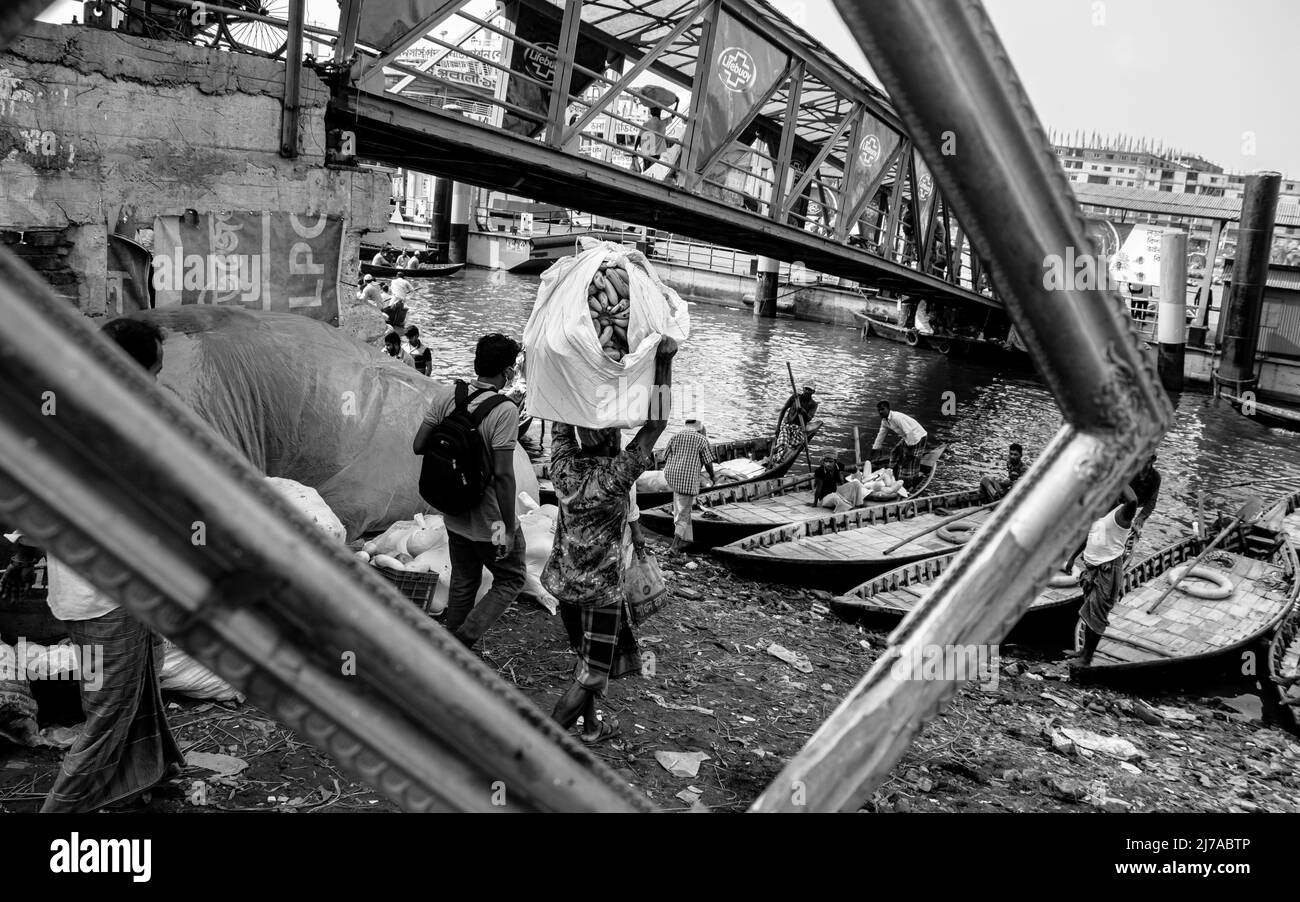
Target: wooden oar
{"type": "Point", "coordinates": [795, 392]}
{"type": "Point", "coordinates": [1248, 513]}
{"type": "Point", "coordinates": [953, 519]}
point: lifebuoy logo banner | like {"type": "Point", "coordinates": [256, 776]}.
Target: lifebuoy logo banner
{"type": "Point", "coordinates": [262, 261]}
{"type": "Point", "coordinates": [873, 144]}
{"type": "Point", "coordinates": [925, 193]}
{"type": "Point", "coordinates": [544, 32]}
{"type": "Point", "coordinates": [743, 70]}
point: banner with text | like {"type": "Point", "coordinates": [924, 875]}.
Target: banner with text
{"type": "Point", "coordinates": [743, 70]}
{"type": "Point", "coordinates": [874, 144]}
{"type": "Point", "coordinates": [263, 261]}
{"type": "Point", "coordinates": [925, 197]}
{"type": "Point", "coordinates": [544, 32]}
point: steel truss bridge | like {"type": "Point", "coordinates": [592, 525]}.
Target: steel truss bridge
{"type": "Point", "coordinates": [768, 142]}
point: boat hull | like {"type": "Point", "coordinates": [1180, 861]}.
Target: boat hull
{"type": "Point", "coordinates": [430, 271]}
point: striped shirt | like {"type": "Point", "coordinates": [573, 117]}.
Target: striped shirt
{"type": "Point", "coordinates": [687, 453]}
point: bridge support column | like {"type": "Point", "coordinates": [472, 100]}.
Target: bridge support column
{"type": "Point", "coordinates": [765, 295]}
{"type": "Point", "coordinates": [1245, 303]}
{"type": "Point", "coordinates": [1171, 325]}
{"type": "Point", "coordinates": [440, 218]}
{"type": "Point", "coordinates": [458, 246]}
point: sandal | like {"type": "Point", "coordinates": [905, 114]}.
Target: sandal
{"type": "Point", "coordinates": [608, 728]}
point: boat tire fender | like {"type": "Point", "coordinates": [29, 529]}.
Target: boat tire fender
{"type": "Point", "coordinates": [957, 533]}
{"type": "Point", "coordinates": [912, 338]}
{"type": "Point", "coordinates": [1220, 589]}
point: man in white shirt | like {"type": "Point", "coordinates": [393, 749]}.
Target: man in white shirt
{"type": "Point", "coordinates": [125, 747]}
{"type": "Point", "coordinates": [1102, 576]}
{"type": "Point", "coordinates": [371, 293]}
{"type": "Point", "coordinates": [905, 456]}
{"type": "Point", "coordinates": [403, 261]}
{"type": "Point", "coordinates": [401, 287]}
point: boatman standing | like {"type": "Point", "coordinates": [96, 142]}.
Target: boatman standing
{"type": "Point", "coordinates": [905, 457]}
{"type": "Point", "coordinates": [687, 452]}
{"type": "Point", "coordinates": [371, 293]}
{"type": "Point", "coordinates": [1102, 576]}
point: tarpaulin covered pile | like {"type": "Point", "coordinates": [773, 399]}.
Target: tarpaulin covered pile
{"type": "Point", "coordinates": [303, 401]}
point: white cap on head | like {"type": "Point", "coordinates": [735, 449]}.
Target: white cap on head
{"type": "Point", "coordinates": [368, 278]}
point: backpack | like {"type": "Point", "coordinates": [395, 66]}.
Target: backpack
{"type": "Point", "coordinates": [457, 462]}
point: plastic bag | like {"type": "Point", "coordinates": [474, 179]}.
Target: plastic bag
{"type": "Point", "coordinates": [309, 503]}
{"type": "Point", "coordinates": [570, 378]}
{"type": "Point", "coordinates": [304, 401]}
{"type": "Point", "coordinates": [738, 469]}
{"type": "Point", "coordinates": [644, 588]}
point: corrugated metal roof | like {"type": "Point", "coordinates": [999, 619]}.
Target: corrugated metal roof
{"type": "Point", "coordinates": [1143, 200]}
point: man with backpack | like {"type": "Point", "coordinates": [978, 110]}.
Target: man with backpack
{"type": "Point", "coordinates": [468, 443]}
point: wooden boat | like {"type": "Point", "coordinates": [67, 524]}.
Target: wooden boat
{"type": "Point", "coordinates": [1269, 415]}
{"type": "Point", "coordinates": [728, 514]}
{"type": "Point", "coordinates": [891, 596]}
{"type": "Point", "coordinates": [1257, 563]}
{"type": "Point", "coordinates": [882, 328]}
{"type": "Point", "coordinates": [423, 271]}
{"type": "Point", "coordinates": [753, 448]}
{"type": "Point", "coordinates": [1283, 516]}
{"type": "Point", "coordinates": [1284, 668]}
{"type": "Point", "coordinates": [840, 551]}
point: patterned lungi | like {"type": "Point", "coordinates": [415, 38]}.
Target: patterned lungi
{"type": "Point", "coordinates": [905, 460]}
{"type": "Point", "coordinates": [602, 639]}
{"type": "Point", "coordinates": [1102, 586]}
{"type": "Point", "coordinates": [125, 746]}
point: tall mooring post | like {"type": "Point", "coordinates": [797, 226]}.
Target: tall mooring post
{"type": "Point", "coordinates": [1245, 303]}
{"type": "Point", "coordinates": [765, 294]}
{"type": "Point", "coordinates": [458, 247]}
{"type": "Point", "coordinates": [1171, 325]}
{"type": "Point", "coordinates": [440, 218]}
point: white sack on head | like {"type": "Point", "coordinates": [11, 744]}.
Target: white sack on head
{"type": "Point", "coordinates": [570, 380]}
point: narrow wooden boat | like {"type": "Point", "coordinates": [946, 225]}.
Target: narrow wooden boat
{"type": "Point", "coordinates": [839, 551]}
{"type": "Point", "coordinates": [882, 328]}
{"type": "Point", "coordinates": [1284, 668]}
{"type": "Point", "coordinates": [728, 514]}
{"type": "Point", "coordinates": [891, 596]}
{"type": "Point", "coordinates": [1283, 516]}
{"type": "Point", "coordinates": [422, 271]}
{"type": "Point", "coordinates": [1258, 565]}
{"type": "Point", "coordinates": [753, 448]}
{"type": "Point", "coordinates": [1269, 415]}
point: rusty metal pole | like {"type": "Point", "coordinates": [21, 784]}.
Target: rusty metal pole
{"type": "Point", "coordinates": [1243, 306]}
{"type": "Point", "coordinates": [292, 81]}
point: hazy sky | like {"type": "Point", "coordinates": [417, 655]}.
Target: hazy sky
{"type": "Point", "coordinates": [1196, 74]}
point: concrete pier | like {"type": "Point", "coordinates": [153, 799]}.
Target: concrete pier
{"type": "Point", "coordinates": [765, 296]}
{"type": "Point", "coordinates": [1171, 323]}
{"type": "Point", "coordinates": [1244, 305]}
{"type": "Point", "coordinates": [458, 235]}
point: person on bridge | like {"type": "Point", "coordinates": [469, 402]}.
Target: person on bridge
{"type": "Point", "coordinates": [905, 456]}
{"type": "Point", "coordinates": [651, 143]}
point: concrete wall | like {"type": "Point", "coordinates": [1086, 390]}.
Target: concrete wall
{"type": "Point", "coordinates": [95, 125]}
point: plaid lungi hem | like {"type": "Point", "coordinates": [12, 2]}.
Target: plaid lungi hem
{"type": "Point", "coordinates": [603, 641]}
{"type": "Point", "coordinates": [125, 746]}
{"type": "Point", "coordinates": [1102, 585]}
{"type": "Point", "coordinates": [905, 460]}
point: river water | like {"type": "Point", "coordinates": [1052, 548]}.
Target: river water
{"type": "Point", "coordinates": [733, 372]}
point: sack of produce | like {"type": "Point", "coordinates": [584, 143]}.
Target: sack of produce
{"type": "Point", "coordinates": [309, 503]}
{"type": "Point", "coordinates": [652, 481]}
{"type": "Point", "coordinates": [736, 470]}
{"type": "Point", "coordinates": [592, 337]}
